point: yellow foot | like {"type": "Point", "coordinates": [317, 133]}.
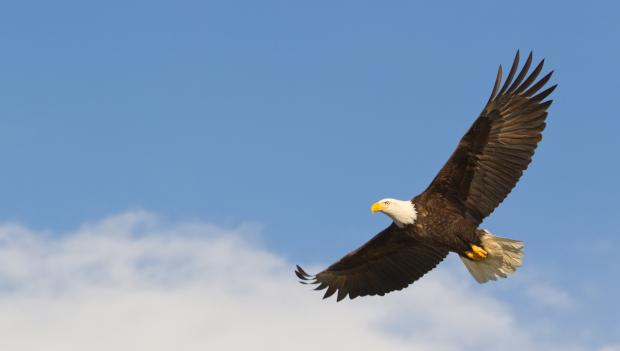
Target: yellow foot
{"type": "Point", "coordinates": [477, 253]}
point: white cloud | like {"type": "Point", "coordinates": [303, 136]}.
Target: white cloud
{"type": "Point", "coordinates": [130, 282]}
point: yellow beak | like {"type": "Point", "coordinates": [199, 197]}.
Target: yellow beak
{"type": "Point", "coordinates": [377, 206]}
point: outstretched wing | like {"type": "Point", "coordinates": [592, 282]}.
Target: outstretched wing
{"type": "Point", "coordinates": [390, 261]}
{"type": "Point", "coordinates": [491, 157]}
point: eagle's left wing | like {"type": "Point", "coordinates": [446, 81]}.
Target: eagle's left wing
{"type": "Point", "coordinates": [491, 157]}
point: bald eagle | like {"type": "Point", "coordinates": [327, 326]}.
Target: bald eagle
{"type": "Point", "coordinates": [484, 168]}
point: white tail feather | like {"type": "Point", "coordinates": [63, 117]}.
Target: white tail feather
{"type": "Point", "coordinates": [504, 256]}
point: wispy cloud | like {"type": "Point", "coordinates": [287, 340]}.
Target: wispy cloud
{"type": "Point", "coordinates": [549, 295]}
{"type": "Point", "coordinates": [131, 282]}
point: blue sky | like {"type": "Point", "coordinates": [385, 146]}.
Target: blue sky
{"type": "Point", "coordinates": [295, 116]}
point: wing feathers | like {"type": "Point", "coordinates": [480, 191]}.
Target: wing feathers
{"type": "Point", "coordinates": [530, 79]}
{"type": "Point", "coordinates": [513, 70]}
{"type": "Point", "coordinates": [493, 154]}
{"type": "Point", "coordinates": [538, 85]}
{"type": "Point", "coordinates": [521, 75]}
{"type": "Point", "coordinates": [498, 80]}
{"type": "Point", "coordinates": [331, 289]}
{"type": "Point", "coordinates": [390, 261]}
{"type": "Point", "coordinates": [541, 96]}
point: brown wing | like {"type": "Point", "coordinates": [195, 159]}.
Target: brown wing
{"type": "Point", "coordinates": [491, 157]}
{"type": "Point", "coordinates": [389, 261]}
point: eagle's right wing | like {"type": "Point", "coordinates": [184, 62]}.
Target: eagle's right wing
{"type": "Point", "coordinates": [390, 261]}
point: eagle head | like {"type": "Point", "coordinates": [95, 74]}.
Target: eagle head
{"type": "Point", "coordinates": [401, 212]}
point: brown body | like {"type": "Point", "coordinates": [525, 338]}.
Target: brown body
{"type": "Point", "coordinates": [445, 228]}
{"type": "Point", "coordinates": [484, 168]}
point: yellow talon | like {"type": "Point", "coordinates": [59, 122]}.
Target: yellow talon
{"type": "Point", "coordinates": [477, 253]}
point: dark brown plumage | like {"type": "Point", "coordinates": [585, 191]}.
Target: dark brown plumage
{"type": "Point", "coordinates": [484, 168]}
{"type": "Point", "coordinates": [389, 261]}
{"type": "Point", "coordinates": [498, 147]}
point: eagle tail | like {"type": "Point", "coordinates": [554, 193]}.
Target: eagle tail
{"type": "Point", "coordinates": [503, 258]}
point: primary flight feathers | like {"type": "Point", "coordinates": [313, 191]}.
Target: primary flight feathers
{"type": "Point", "coordinates": [484, 168]}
